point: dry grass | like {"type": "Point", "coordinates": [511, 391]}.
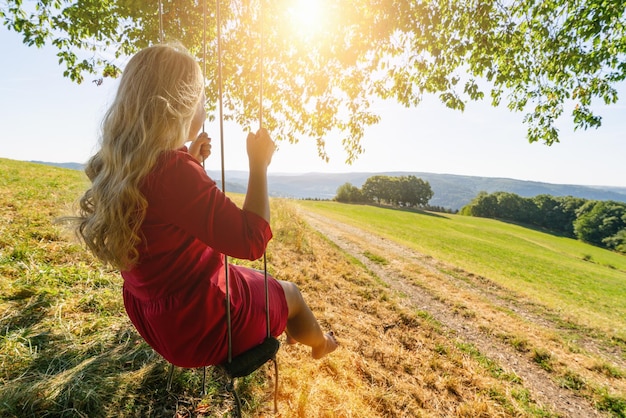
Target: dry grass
{"type": "Point", "coordinates": [394, 360]}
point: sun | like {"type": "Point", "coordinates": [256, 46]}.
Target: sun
{"type": "Point", "coordinates": [306, 16]}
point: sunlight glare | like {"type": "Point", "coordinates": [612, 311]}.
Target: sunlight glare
{"type": "Point", "coordinates": [306, 16]}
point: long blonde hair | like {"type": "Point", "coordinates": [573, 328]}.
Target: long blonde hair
{"type": "Point", "coordinates": [152, 112]}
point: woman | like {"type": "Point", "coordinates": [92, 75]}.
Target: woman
{"type": "Point", "coordinates": [153, 212]}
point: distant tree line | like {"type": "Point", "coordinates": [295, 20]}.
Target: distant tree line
{"type": "Point", "coordinates": [406, 191]}
{"type": "Point", "coordinates": [601, 223]}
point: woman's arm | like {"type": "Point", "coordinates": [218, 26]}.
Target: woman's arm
{"type": "Point", "coordinates": [260, 150]}
{"type": "Point", "coordinates": [182, 194]}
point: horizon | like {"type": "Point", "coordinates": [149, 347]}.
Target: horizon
{"type": "Point", "coordinates": [62, 165]}
{"type": "Point", "coordinates": [47, 117]}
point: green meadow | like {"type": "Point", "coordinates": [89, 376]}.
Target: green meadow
{"type": "Point", "coordinates": [585, 284]}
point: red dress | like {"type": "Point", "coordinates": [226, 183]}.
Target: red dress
{"type": "Point", "coordinates": [175, 295]}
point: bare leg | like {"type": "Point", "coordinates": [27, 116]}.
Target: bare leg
{"type": "Point", "coordinates": [302, 325]}
{"type": "Point", "coordinates": [290, 339]}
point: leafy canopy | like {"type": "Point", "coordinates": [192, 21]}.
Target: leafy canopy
{"type": "Point", "coordinates": [539, 57]}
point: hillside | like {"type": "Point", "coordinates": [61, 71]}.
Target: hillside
{"type": "Point", "coordinates": [450, 191]}
{"type": "Point", "coordinates": [420, 335]}
{"type": "Point", "coordinates": [511, 304]}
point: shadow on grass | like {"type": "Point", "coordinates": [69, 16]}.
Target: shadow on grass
{"type": "Point", "coordinates": [536, 228]}
{"type": "Point", "coordinates": [30, 309]}
{"type": "Point", "coordinates": [410, 210]}
{"type": "Point", "coordinates": [400, 208]}
{"type": "Point", "coordinates": [123, 378]}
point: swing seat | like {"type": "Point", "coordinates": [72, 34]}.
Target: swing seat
{"type": "Point", "coordinates": [251, 360]}
{"type": "Point", "coordinates": [242, 365]}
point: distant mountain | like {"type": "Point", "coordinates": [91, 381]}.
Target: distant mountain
{"type": "Point", "coordinates": [450, 191]}
{"type": "Point", "coordinates": [73, 166]}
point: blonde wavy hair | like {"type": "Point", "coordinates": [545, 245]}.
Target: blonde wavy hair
{"type": "Point", "coordinates": [157, 98]}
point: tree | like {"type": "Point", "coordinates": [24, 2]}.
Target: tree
{"type": "Point", "coordinates": [617, 241]}
{"type": "Point", "coordinates": [508, 205]}
{"type": "Point", "coordinates": [556, 213]}
{"type": "Point", "coordinates": [569, 206]}
{"type": "Point", "coordinates": [548, 212]}
{"type": "Point", "coordinates": [404, 190]}
{"type": "Point", "coordinates": [537, 57]}
{"type": "Point", "coordinates": [599, 221]}
{"type": "Point", "coordinates": [379, 189]}
{"type": "Point", "coordinates": [349, 194]}
{"type": "Point", "coordinates": [414, 191]}
{"type": "Point", "coordinates": [515, 208]}
{"type": "Point", "coordinates": [484, 205]}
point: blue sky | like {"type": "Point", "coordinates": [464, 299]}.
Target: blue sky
{"type": "Point", "coordinates": [44, 116]}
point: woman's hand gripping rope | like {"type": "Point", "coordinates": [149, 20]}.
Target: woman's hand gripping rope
{"type": "Point", "coordinates": [200, 148]}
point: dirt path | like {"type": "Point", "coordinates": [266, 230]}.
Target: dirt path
{"type": "Point", "coordinates": [400, 270]}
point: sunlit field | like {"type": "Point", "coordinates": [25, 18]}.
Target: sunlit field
{"type": "Point", "coordinates": [587, 284]}
{"type": "Point", "coordinates": [67, 347]}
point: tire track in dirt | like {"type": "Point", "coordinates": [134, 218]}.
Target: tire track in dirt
{"type": "Point", "coordinates": [351, 240]}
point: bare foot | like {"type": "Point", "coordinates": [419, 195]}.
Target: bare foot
{"type": "Point", "coordinates": [330, 345]}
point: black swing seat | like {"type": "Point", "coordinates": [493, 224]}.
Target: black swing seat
{"type": "Point", "coordinates": [249, 361]}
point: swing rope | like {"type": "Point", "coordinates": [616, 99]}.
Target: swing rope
{"type": "Point", "coordinates": [259, 355]}
{"type": "Point", "coordinates": [267, 293]}
{"type": "Point", "coordinates": [220, 93]}
{"type": "Point", "coordinates": [261, 67]}
{"type": "Point", "coordinates": [160, 22]}
{"type": "Point", "coordinates": [203, 57]}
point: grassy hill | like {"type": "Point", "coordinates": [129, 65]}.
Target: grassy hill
{"type": "Point", "coordinates": [68, 349]}
{"type": "Point", "coordinates": [587, 283]}
{"type": "Point", "coordinates": [516, 294]}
